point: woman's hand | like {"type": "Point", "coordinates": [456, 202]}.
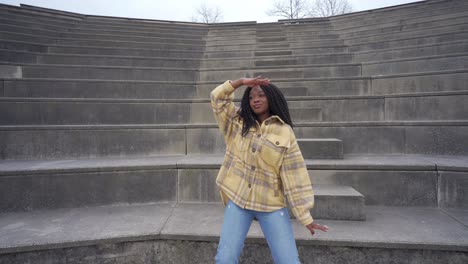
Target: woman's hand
{"type": "Point", "coordinates": [313, 226]}
{"type": "Point", "coordinates": [251, 82]}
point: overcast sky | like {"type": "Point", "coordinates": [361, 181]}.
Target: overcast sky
{"type": "Point", "coordinates": [181, 10]}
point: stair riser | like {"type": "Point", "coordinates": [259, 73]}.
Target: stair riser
{"type": "Point", "coordinates": [72, 143]}
{"type": "Point", "coordinates": [302, 88]}
{"type": "Point", "coordinates": [127, 52]}
{"type": "Point", "coordinates": [430, 64]}
{"type": "Point", "coordinates": [26, 38]}
{"type": "Point", "coordinates": [154, 40]}
{"type": "Point", "coordinates": [321, 149]}
{"type": "Point", "coordinates": [428, 40]}
{"type": "Point", "coordinates": [152, 27]}
{"type": "Point", "coordinates": [423, 83]}
{"type": "Point", "coordinates": [18, 46]}
{"type": "Point", "coordinates": [35, 192]}
{"type": "Point", "coordinates": [378, 18]}
{"type": "Point", "coordinates": [108, 73]}
{"type": "Point", "coordinates": [411, 34]}
{"type": "Point", "coordinates": [181, 250]}
{"type": "Point", "coordinates": [300, 60]}
{"type": "Point", "coordinates": [15, 16]}
{"type": "Point", "coordinates": [448, 107]}
{"type": "Point", "coordinates": [115, 44]}
{"type": "Point", "coordinates": [385, 187]}
{"type": "Point", "coordinates": [90, 89]}
{"type": "Point", "coordinates": [452, 189]}
{"type": "Point", "coordinates": [412, 25]}
{"type": "Point", "coordinates": [161, 33]}
{"type": "Point", "coordinates": [430, 140]}
{"type": "Point", "coordinates": [411, 52]}
{"type": "Point", "coordinates": [17, 25]}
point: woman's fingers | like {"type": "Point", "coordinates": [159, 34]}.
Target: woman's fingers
{"type": "Point", "coordinates": [314, 226]}
{"type": "Point", "coordinates": [323, 228]}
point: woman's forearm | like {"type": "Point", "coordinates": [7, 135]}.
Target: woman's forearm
{"type": "Point", "coordinates": [237, 83]}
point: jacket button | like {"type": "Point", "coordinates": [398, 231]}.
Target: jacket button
{"type": "Point", "coordinates": [259, 135]}
{"type": "Point", "coordinates": [250, 185]}
{"type": "Point", "coordinates": [254, 149]}
{"type": "Point", "coordinates": [253, 167]}
{"type": "Point", "coordinates": [277, 143]}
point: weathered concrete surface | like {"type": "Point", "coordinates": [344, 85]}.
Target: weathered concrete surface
{"type": "Point", "coordinates": [321, 148]}
{"type": "Point", "coordinates": [159, 233]}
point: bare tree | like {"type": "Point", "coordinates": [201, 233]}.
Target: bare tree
{"type": "Point", "coordinates": [289, 9]}
{"type": "Point", "coordinates": [326, 8]}
{"type": "Point", "coordinates": [207, 15]}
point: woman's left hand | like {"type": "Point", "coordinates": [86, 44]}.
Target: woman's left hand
{"type": "Point", "coordinates": [314, 226]}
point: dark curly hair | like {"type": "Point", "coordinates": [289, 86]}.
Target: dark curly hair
{"type": "Point", "coordinates": [276, 101]}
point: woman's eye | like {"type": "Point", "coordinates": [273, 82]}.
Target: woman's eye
{"type": "Point", "coordinates": [250, 98]}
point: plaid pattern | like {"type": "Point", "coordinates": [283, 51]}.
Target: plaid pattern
{"type": "Point", "coordinates": [262, 167]}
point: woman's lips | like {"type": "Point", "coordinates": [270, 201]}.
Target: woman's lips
{"type": "Point", "coordinates": [257, 106]}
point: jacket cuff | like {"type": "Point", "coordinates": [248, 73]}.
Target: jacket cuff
{"type": "Point", "coordinates": [306, 220]}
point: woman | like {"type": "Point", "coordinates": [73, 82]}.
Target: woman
{"type": "Point", "coordinates": [262, 164]}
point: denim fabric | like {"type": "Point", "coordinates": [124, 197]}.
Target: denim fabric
{"type": "Point", "coordinates": [276, 227]}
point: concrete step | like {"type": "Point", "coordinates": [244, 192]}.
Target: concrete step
{"type": "Point", "coordinates": [153, 32]}
{"type": "Point", "coordinates": [411, 24]}
{"type": "Point", "coordinates": [30, 31]}
{"type": "Point", "coordinates": [9, 36]}
{"type": "Point", "coordinates": [439, 81]}
{"type": "Point", "coordinates": [20, 14]}
{"type": "Point", "coordinates": [96, 60]}
{"type": "Point", "coordinates": [444, 48]}
{"type": "Point", "coordinates": [321, 148]}
{"type": "Point", "coordinates": [125, 51]}
{"type": "Point", "coordinates": [420, 40]}
{"type": "Point", "coordinates": [409, 137]}
{"type": "Point", "coordinates": [157, 38]}
{"type": "Point", "coordinates": [111, 24]}
{"type": "Point", "coordinates": [249, 45]}
{"type": "Point", "coordinates": [129, 44]}
{"type": "Point", "coordinates": [25, 22]}
{"type": "Point", "coordinates": [336, 70]}
{"type": "Point", "coordinates": [175, 185]}
{"type": "Point", "coordinates": [277, 60]}
{"type": "Point", "coordinates": [410, 180]}
{"type": "Point", "coordinates": [292, 72]}
{"type": "Point", "coordinates": [108, 72]}
{"type": "Point", "coordinates": [121, 89]}
{"type": "Point", "coordinates": [417, 64]}
{"type": "Point", "coordinates": [409, 34]}
{"type": "Point", "coordinates": [75, 111]}
{"type": "Point", "coordinates": [22, 46]}
{"type": "Point", "coordinates": [338, 202]}
{"type": "Point", "coordinates": [381, 137]}
{"type": "Point", "coordinates": [376, 17]}
{"type": "Point", "coordinates": [426, 82]}
{"type": "Point", "coordinates": [188, 233]}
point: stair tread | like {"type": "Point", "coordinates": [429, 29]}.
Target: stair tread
{"type": "Point", "coordinates": [386, 227]}
{"type": "Point", "coordinates": [355, 161]}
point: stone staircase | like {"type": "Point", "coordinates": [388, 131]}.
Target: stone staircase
{"type": "Point", "coordinates": [109, 149]}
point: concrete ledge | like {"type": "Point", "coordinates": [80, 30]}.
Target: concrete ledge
{"type": "Point", "coordinates": [349, 162]}
{"type": "Point", "coordinates": [386, 228]}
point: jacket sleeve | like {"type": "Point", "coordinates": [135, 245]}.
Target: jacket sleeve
{"type": "Point", "coordinates": [223, 108]}
{"type": "Point", "coordinates": [296, 183]}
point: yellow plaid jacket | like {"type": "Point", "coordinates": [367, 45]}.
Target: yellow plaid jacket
{"type": "Point", "coordinates": [262, 167]}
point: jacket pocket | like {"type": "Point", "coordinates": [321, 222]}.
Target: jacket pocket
{"type": "Point", "coordinates": [273, 149]}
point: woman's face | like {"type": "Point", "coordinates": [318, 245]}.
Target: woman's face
{"type": "Point", "coordinates": [259, 102]}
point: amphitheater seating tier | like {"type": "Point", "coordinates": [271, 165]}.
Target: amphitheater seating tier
{"type": "Point", "coordinates": [105, 119]}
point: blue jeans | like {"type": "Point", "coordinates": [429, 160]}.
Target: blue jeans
{"type": "Point", "coordinates": [276, 227]}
